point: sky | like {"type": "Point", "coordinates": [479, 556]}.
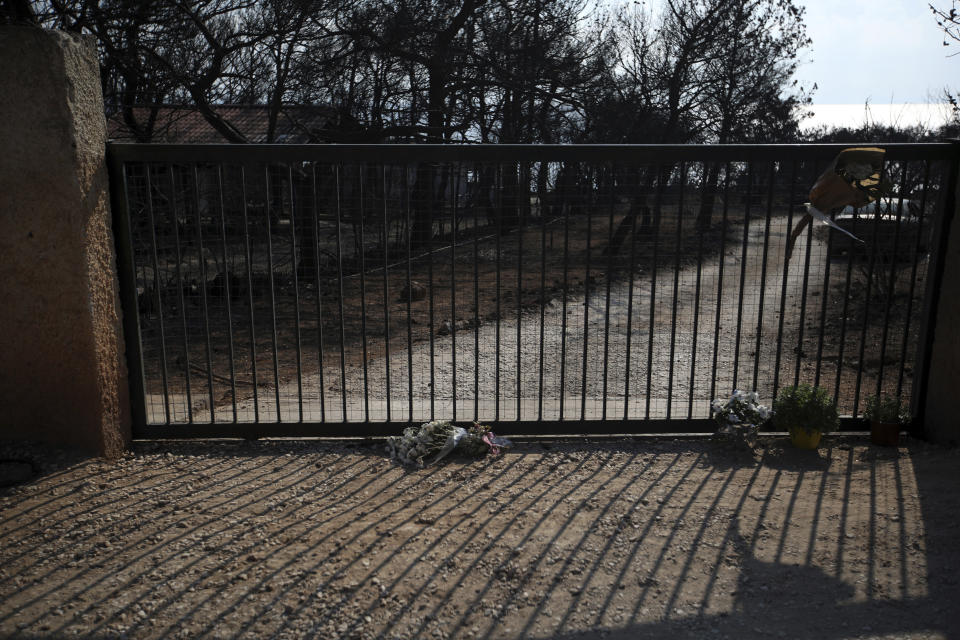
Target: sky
{"type": "Point", "coordinates": [884, 51]}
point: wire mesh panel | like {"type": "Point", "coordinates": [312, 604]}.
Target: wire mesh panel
{"type": "Point", "coordinates": [318, 290]}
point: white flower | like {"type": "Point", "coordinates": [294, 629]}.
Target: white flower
{"type": "Point", "coordinates": [740, 415]}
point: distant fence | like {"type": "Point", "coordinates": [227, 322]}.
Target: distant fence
{"type": "Point", "coordinates": [341, 290]}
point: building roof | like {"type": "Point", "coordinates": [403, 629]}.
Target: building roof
{"type": "Point", "coordinates": [296, 124]}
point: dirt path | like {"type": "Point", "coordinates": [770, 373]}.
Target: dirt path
{"type": "Point", "coordinates": [653, 538]}
{"type": "Point", "coordinates": [606, 341]}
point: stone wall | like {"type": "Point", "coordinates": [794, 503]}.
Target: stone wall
{"type": "Point", "coordinates": [63, 378]}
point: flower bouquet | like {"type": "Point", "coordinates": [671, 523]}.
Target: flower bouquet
{"type": "Point", "coordinates": [740, 416]}
{"type": "Point", "coordinates": [431, 441]}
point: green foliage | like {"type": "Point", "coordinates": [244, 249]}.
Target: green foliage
{"type": "Point", "coordinates": [805, 407]}
{"type": "Point", "coordinates": [886, 409]}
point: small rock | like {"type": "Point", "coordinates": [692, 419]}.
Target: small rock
{"type": "Point", "coordinates": [415, 291]}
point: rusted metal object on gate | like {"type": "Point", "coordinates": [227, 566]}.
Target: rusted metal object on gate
{"type": "Point", "coordinates": [853, 179]}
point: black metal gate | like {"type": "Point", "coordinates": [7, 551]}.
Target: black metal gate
{"type": "Point", "coordinates": [306, 290]}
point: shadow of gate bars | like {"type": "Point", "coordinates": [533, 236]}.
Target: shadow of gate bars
{"type": "Point", "coordinates": [318, 290]}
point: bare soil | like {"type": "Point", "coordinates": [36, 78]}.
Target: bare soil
{"type": "Point", "coordinates": [584, 539]}
{"type": "Point", "coordinates": [713, 316]}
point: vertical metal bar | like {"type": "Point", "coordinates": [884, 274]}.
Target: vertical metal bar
{"type": "Point", "coordinates": [476, 306]}
{"type": "Point", "coordinates": [226, 294]}
{"type": "Point", "coordinates": [918, 392]}
{"type": "Point", "coordinates": [606, 313]}
{"type": "Point", "coordinates": [723, 255]}
{"type": "Point", "coordinates": [544, 166]}
{"type": "Point", "coordinates": [743, 271]}
{"type": "Point", "coordinates": [362, 244]}
{"type": "Point", "coordinates": [913, 276]}
{"type": "Point", "coordinates": [676, 289]}
{"type": "Point", "coordinates": [180, 285]}
{"type": "Point", "coordinates": [630, 285]}
{"type": "Point", "coordinates": [566, 269]}
{"type": "Point", "coordinates": [498, 181]}
{"type": "Point", "coordinates": [803, 303]}
{"type": "Point", "coordinates": [296, 291]}
{"type": "Point", "coordinates": [801, 325]}
{"type": "Point", "coordinates": [786, 270]}
{"type": "Point", "coordinates": [126, 273]}
{"type": "Point", "coordinates": [431, 205]}
{"type": "Point", "coordinates": [203, 290]}
{"type": "Point", "coordinates": [249, 261]}
{"type": "Point", "coordinates": [866, 313]}
{"type": "Point", "coordinates": [273, 297]}
{"type": "Point", "coordinates": [696, 309]}
{"type": "Point", "coordinates": [521, 207]}
{"type": "Point", "coordinates": [316, 265]}
{"type": "Point", "coordinates": [406, 184]}
{"type": "Point", "coordinates": [893, 273]}
{"type": "Point", "coordinates": [843, 313]}
{"type": "Point", "coordinates": [343, 350]}
{"type": "Point", "coordinates": [658, 195]}
{"type": "Point", "coordinates": [453, 287]}
{"type": "Point", "coordinates": [386, 288]}
{"type": "Point", "coordinates": [825, 295]}
{"type": "Point", "coordinates": [156, 289]}
{"type": "Point", "coordinates": [763, 276]}
{"type": "Point", "coordinates": [586, 311]}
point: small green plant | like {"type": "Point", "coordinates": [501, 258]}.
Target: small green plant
{"type": "Point", "coordinates": [805, 407]}
{"type": "Point", "coordinates": [886, 409]}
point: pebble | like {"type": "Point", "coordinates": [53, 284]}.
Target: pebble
{"type": "Point", "coordinates": [299, 570]}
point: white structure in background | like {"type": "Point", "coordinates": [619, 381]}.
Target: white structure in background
{"type": "Point", "coordinates": [931, 115]}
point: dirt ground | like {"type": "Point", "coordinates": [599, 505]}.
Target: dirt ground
{"type": "Point", "coordinates": [680, 538]}
{"type": "Point", "coordinates": [610, 355]}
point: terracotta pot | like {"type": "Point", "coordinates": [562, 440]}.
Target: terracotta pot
{"type": "Point", "coordinates": [801, 439]}
{"type": "Point", "coordinates": [885, 434]}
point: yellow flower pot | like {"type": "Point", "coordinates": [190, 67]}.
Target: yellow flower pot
{"type": "Point", "coordinates": [801, 439]}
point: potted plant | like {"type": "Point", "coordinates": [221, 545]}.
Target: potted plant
{"type": "Point", "coordinates": [739, 417]}
{"type": "Point", "coordinates": [887, 417]}
{"type": "Point", "coordinates": [805, 412]}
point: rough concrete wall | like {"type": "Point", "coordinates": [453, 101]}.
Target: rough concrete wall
{"type": "Point", "coordinates": [63, 378]}
{"type": "Point", "coordinates": [941, 418]}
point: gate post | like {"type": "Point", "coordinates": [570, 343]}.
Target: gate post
{"type": "Point", "coordinates": [63, 379]}
{"type": "Point", "coordinates": [940, 377]}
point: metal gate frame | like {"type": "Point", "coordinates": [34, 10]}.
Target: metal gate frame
{"type": "Point", "coordinates": [119, 154]}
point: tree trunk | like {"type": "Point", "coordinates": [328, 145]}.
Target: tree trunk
{"type": "Point", "coordinates": [508, 211]}
{"type": "Point", "coordinates": [708, 196]}
{"type": "Point", "coordinates": [639, 207]}
{"type": "Point", "coordinates": [423, 202]}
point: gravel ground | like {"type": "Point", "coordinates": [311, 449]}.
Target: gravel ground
{"type": "Point", "coordinates": [619, 539]}
{"type": "Point", "coordinates": [663, 342]}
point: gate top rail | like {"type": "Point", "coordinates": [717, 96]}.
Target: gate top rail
{"type": "Point", "coordinates": [401, 153]}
